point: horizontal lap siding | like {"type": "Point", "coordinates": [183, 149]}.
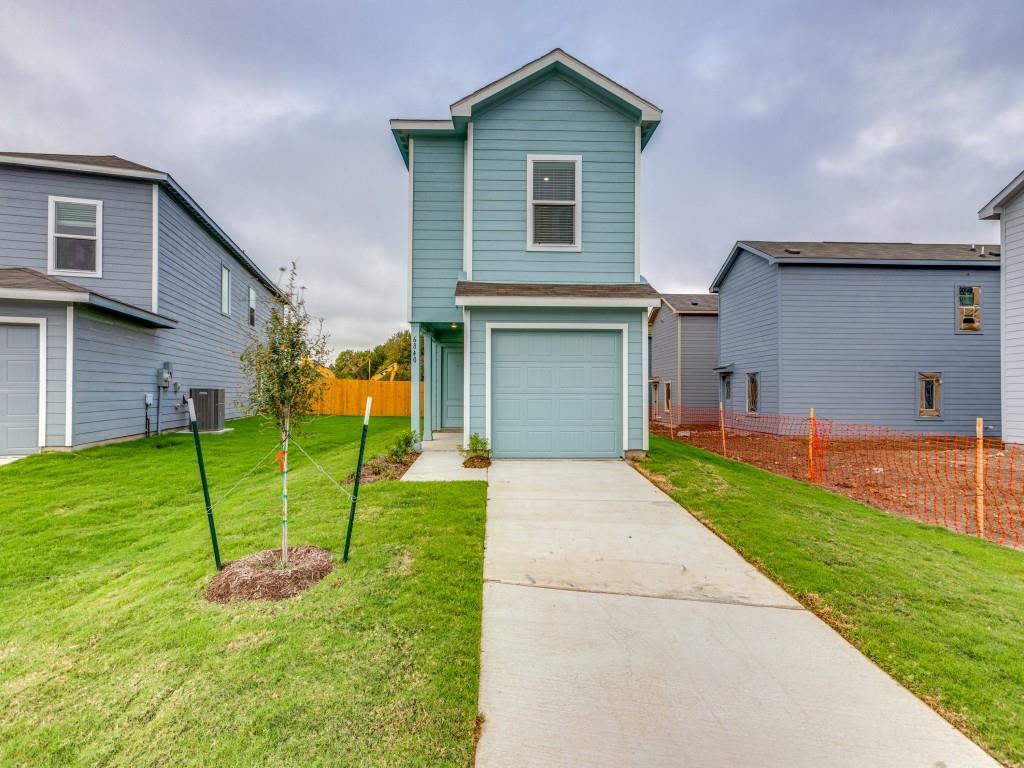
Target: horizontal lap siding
{"type": "Point", "coordinates": [56, 356]}
{"type": "Point", "coordinates": [1013, 343]}
{"type": "Point", "coordinates": [854, 339]}
{"type": "Point", "coordinates": [436, 228]}
{"type": "Point", "coordinates": [663, 355]}
{"type": "Point", "coordinates": [205, 346]}
{"type": "Point", "coordinates": [127, 225]}
{"type": "Point", "coordinates": [553, 117]}
{"type": "Point", "coordinates": [700, 356]}
{"type": "Point", "coordinates": [637, 334]}
{"type": "Point", "coordinates": [748, 330]}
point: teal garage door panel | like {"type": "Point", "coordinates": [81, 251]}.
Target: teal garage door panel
{"type": "Point", "coordinates": [556, 393]}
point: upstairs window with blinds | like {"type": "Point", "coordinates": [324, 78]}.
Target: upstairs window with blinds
{"type": "Point", "coordinates": [76, 237]}
{"type": "Point", "coordinates": [553, 210]}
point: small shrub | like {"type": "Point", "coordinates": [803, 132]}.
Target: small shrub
{"type": "Point", "coordinates": [478, 448]}
{"type": "Point", "coordinates": [402, 446]}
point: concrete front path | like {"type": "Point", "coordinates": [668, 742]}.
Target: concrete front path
{"type": "Point", "coordinates": [618, 631]}
{"type": "Point", "coordinates": [441, 460]}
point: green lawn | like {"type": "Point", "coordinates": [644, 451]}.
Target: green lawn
{"type": "Point", "coordinates": [941, 612]}
{"type": "Point", "coordinates": [110, 656]}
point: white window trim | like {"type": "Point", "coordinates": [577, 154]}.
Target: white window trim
{"type": "Point", "coordinates": [225, 269]}
{"type": "Point", "coordinates": [577, 203]}
{"type": "Point", "coordinates": [41, 322]}
{"type": "Point", "coordinates": [51, 268]}
{"type": "Point", "coordinates": [621, 327]}
{"type": "Point", "coordinates": [250, 307]}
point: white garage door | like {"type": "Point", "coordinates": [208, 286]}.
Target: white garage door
{"type": "Point", "coordinates": [19, 389]}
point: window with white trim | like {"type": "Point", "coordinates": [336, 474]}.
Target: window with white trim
{"type": "Point", "coordinates": [554, 191]}
{"type": "Point", "coordinates": [225, 290]}
{"type": "Point", "coordinates": [75, 237]}
{"type": "Point", "coordinates": [252, 306]}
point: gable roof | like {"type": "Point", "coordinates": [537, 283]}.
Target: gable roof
{"type": "Point", "coordinates": [691, 303]}
{"type": "Point", "coordinates": [863, 254]}
{"type": "Point", "coordinates": [647, 114]}
{"type": "Point", "coordinates": [993, 208]}
{"type": "Point", "coordinates": [112, 165]}
{"type": "Point", "coordinates": [26, 284]}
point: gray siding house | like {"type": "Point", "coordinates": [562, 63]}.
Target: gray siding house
{"type": "Point", "coordinates": [109, 270]}
{"type": "Point", "coordinates": [1007, 208]}
{"type": "Point", "coordinates": [683, 337]}
{"type": "Point", "coordinates": [897, 334]}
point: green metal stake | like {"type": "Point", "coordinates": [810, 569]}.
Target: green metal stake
{"type": "Point", "coordinates": [202, 476]}
{"type": "Point", "coordinates": [355, 489]}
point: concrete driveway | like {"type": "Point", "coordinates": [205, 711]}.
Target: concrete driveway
{"type": "Point", "coordinates": [618, 631]}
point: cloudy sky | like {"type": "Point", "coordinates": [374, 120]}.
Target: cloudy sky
{"type": "Point", "coordinates": [886, 121]}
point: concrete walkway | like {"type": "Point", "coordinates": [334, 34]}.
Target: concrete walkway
{"type": "Point", "coordinates": [441, 460]}
{"type": "Point", "coordinates": [618, 631]}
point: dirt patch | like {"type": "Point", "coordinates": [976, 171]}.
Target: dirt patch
{"type": "Point", "coordinates": [381, 468]}
{"type": "Point", "coordinates": [261, 577]}
{"type": "Point", "coordinates": [477, 462]}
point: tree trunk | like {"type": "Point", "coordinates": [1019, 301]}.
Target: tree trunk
{"type": "Point", "coordinates": [284, 495]}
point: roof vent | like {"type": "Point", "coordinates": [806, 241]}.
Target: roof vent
{"type": "Point", "coordinates": [694, 303]}
{"type": "Point", "coordinates": [983, 250]}
{"type": "Point", "coordinates": [973, 248]}
{"type": "Point", "coordinates": [793, 250]}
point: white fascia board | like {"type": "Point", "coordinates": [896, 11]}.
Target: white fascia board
{"type": "Point", "coordinates": [993, 208]}
{"type": "Point", "coordinates": [398, 124]}
{"type": "Point", "coordinates": [62, 165]}
{"type": "Point", "coordinates": [648, 111]}
{"type": "Point", "coordinates": [551, 301]}
{"type": "Point", "coordinates": [32, 294]}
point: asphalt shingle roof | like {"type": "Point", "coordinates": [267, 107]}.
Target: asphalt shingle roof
{"type": "Point", "coordinates": [875, 251]}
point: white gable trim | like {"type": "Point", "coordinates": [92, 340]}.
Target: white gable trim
{"type": "Point", "coordinates": [993, 209]}
{"type": "Point", "coordinates": [464, 107]}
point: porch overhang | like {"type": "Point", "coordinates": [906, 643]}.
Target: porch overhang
{"type": "Point", "coordinates": [487, 294]}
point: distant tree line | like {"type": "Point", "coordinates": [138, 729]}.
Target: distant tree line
{"type": "Point", "coordinates": [364, 363]}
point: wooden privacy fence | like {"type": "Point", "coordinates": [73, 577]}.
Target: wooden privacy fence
{"type": "Point", "coordinates": [347, 397]}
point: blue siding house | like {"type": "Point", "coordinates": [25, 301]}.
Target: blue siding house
{"type": "Point", "coordinates": [524, 275]}
{"type": "Point", "coordinates": [1007, 207]}
{"type": "Point", "coordinates": [108, 271]}
{"type": "Point", "coordinates": [684, 352]}
{"type": "Point", "coordinates": [897, 334]}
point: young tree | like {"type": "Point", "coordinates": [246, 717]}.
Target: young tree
{"type": "Point", "coordinates": [283, 380]}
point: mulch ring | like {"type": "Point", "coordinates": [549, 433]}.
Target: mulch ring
{"type": "Point", "coordinates": [261, 577]}
{"type": "Point", "coordinates": [477, 462]}
{"type": "Point", "coordinates": [383, 468]}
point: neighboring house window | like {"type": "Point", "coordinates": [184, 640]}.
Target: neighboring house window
{"type": "Point", "coordinates": [225, 290]}
{"type": "Point", "coordinates": [654, 392]}
{"type": "Point", "coordinates": [968, 308]}
{"type": "Point", "coordinates": [554, 189]}
{"type": "Point", "coordinates": [726, 386]}
{"type": "Point", "coordinates": [252, 306]}
{"type": "Point", "coordinates": [668, 396]}
{"type": "Point", "coordinates": [76, 237]}
{"type": "Point", "coordinates": [753, 393]}
{"type": "Point", "coordinates": [929, 386]}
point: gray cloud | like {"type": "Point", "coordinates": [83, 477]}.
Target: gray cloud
{"type": "Point", "coordinates": [891, 121]}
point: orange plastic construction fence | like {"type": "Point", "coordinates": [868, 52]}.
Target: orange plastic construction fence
{"type": "Point", "coordinates": [965, 483]}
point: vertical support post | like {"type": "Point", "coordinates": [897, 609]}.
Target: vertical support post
{"type": "Point", "coordinates": [721, 424]}
{"type": "Point", "coordinates": [979, 477]}
{"type": "Point", "coordinates": [428, 387]}
{"type": "Point", "coordinates": [284, 493]}
{"type": "Point", "coordinates": [194, 424]}
{"type": "Point", "coordinates": [811, 474]}
{"type": "Point", "coordinates": [414, 375]}
{"type": "Point", "coordinates": [355, 487]}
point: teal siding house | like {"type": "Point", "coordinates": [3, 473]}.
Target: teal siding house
{"type": "Point", "coordinates": [524, 274]}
